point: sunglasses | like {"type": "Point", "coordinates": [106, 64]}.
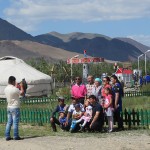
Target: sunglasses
{"type": "Point", "coordinates": [78, 79]}
{"type": "Point", "coordinates": [104, 80]}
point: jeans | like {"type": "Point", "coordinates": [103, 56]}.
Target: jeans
{"type": "Point", "coordinates": [13, 115]}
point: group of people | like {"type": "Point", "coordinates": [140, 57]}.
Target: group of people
{"type": "Point", "coordinates": [90, 104]}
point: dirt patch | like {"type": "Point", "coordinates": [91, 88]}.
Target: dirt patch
{"type": "Point", "coordinates": [114, 141]}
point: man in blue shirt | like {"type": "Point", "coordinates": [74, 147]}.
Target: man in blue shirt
{"type": "Point", "coordinates": [61, 107]}
{"type": "Point", "coordinates": [117, 91]}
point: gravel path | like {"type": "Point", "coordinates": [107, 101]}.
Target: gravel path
{"type": "Point", "coordinates": [111, 141]}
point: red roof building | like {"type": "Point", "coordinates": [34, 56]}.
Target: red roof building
{"type": "Point", "coordinates": [123, 71]}
{"type": "Point", "coordinates": [124, 75]}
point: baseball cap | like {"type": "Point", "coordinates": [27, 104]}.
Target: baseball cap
{"type": "Point", "coordinates": [62, 112]}
{"type": "Point", "coordinates": [77, 105]}
{"type": "Point", "coordinates": [61, 98]}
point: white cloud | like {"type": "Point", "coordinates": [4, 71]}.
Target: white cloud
{"type": "Point", "coordinates": [25, 12]}
{"type": "Point", "coordinates": [144, 39]}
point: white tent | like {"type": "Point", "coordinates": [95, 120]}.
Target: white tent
{"type": "Point", "coordinates": [38, 83]}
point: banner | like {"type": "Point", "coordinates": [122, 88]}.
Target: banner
{"type": "Point", "coordinates": [85, 60]}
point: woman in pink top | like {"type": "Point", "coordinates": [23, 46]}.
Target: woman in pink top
{"type": "Point", "coordinates": [79, 90]}
{"type": "Point", "coordinates": [106, 84]}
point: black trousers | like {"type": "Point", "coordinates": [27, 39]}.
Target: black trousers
{"type": "Point", "coordinates": [118, 118]}
{"type": "Point", "coordinates": [56, 121]}
{"type": "Point", "coordinates": [96, 126]}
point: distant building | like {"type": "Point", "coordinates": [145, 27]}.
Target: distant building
{"type": "Point", "coordinates": [125, 75]}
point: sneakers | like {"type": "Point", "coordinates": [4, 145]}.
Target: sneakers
{"type": "Point", "coordinates": [81, 129]}
{"type": "Point", "coordinates": [9, 138]}
{"type": "Point", "coordinates": [109, 131]}
{"type": "Point", "coordinates": [18, 138]}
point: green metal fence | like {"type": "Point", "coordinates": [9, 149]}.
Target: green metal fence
{"type": "Point", "coordinates": [131, 118]}
{"type": "Point", "coordinates": [136, 94]}
{"type": "Point", "coordinates": [44, 100]}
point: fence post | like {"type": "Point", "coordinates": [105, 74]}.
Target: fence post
{"type": "Point", "coordinates": [133, 114]}
{"type": "Point", "coordinates": [146, 118]}
{"type": "Point", "coordinates": [126, 115]}
{"type": "Point", "coordinates": [142, 118]}
{"type": "Point", "coordinates": [129, 118]}
{"type": "Point", "coordinates": [138, 118]}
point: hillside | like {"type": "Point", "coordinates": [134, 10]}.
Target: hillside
{"type": "Point", "coordinates": [54, 45]}
{"type": "Point", "coordinates": [29, 49]}
{"type": "Point", "coordinates": [11, 32]}
{"type": "Point", "coordinates": [96, 45]}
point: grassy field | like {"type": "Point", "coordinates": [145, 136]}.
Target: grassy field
{"type": "Point", "coordinates": [142, 102]}
{"type": "Point", "coordinates": [137, 102]}
{"type": "Point", "coordinates": [27, 130]}
{"type": "Point", "coordinates": [32, 131]}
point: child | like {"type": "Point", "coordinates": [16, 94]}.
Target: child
{"type": "Point", "coordinates": [107, 105]}
{"type": "Point", "coordinates": [76, 115]}
{"type": "Point", "coordinates": [59, 108]}
{"type": "Point", "coordinates": [87, 115]}
{"type": "Point", "coordinates": [62, 119]}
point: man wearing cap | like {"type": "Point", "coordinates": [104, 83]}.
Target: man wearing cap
{"type": "Point", "coordinates": [61, 107]}
{"type": "Point", "coordinates": [79, 90]}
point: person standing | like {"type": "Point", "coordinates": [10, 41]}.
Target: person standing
{"type": "Point", "coordinates": [108, 108]}
{"type": "Point", "coordinates": [106, 84]}
{"type": "Point", "coordinates": [96, 90]}
{"type": "Point", "coordinates": [13, 108]}
{"type": "Point", "coordinates": [117, 96]}
{"type": "Point", "coordinates": [79, 90]}
{"type": "Point", "coordinates": [90, 85]}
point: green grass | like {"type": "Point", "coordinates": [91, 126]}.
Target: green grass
{"type": "Point", "coordinates": [31, 131]}
{"type": "Point", "coordinates": [137, 102]}
{"type": "Point", "coordinates": [142, 102]}
{"type": "Point", "coordinates": [145, 88]}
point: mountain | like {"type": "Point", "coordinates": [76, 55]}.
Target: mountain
{"type": "Point", "coordinates": [11, 32]}
{"type": "Point", "coordinates": [138, 45]}
{"type": "Point", "coordinates": [54, 45]}
{"type": "Point", "coordinates": [96, 45]}
{"type": "Point", "coordinates": [30, 49]}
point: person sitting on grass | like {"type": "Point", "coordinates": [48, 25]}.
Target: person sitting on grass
{"type": "Point", "coordinates": [62, 119]}
{"type": "Point", "coordinates": [61, 107]}
{"type": "Point", "coordinates": [71, 110]}
{"type": "Point", "coordinates": [76, 115]}
{"type": "Point", "coordinates": [87, 115]}
{"type": "Point", "coordinates": [97, 120]}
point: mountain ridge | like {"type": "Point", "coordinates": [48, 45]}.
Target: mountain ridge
{"type": "Point", "coordinates": [57, 44]}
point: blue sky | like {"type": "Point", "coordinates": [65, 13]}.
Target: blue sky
{"type": "Point", "coordinates": [114, 18]}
